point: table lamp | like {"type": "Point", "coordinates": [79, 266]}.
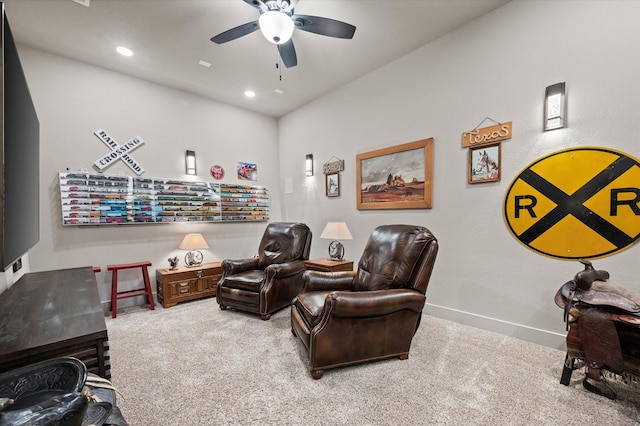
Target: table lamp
{"type": "Point", "coordinates": [193, 242]}
{"type": "Point", "coordinates": [336, 231]}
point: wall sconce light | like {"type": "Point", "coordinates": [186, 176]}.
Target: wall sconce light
{"type": "Point", "coordinates": [309, 164]}
{"type": "Point", "coordinates": [555, 107]}
{"type": "Point", "coordinates": [193, 242]}
{"type": "Point", "coordinates": [336, 231]}
{"type": "Point", "coordinates": [190, 162]}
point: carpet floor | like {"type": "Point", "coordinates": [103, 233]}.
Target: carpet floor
{"type": "Point", "coordinates": [194, 364]}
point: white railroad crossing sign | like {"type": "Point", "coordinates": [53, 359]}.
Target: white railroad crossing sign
{"type": "Point", "coordinates": [576, 203]}
{"type": "Point", "coordinates": [118, 152]}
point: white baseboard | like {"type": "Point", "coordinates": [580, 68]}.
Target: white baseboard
{"type": "Point", "coordinates": [519, 331]}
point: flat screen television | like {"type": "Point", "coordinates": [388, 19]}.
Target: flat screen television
{"type": "Point", "coordinates": [20, 155]}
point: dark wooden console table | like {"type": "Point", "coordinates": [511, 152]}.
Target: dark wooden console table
{"type": "Point", "coordinates": [52, 314]}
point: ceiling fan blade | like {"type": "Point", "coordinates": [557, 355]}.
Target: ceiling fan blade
{"type": "Point", "coordinates": [236, 32]}
{"type": "Point", "coordinates": [324, 26]}
{"type": "Point", "coordinates": [288, 54]}
{"type": "Point", "coordinates": [257, 4]}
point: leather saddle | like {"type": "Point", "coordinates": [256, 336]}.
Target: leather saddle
{"type": "Point", "coordinates": [58, 392]}
{"type": "Point", "coordinates": [592, 306]}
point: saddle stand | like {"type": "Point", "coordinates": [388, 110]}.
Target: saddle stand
{"type": "Point", "coordinates": [603, 324]}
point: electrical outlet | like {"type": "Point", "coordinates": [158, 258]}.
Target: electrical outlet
{"type": "Point", "coordinates": [17, 265]}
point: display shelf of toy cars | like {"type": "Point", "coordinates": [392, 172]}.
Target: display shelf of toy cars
{"type": "Point", "coordinates": [98, 199]}
{"type": "Point", "coordinates": [181, 201]}
{"type": "Point", "coordinates": [243, 202]}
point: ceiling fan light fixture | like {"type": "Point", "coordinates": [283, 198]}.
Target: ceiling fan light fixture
{"type": "Point", "coordinates": [276, 26]}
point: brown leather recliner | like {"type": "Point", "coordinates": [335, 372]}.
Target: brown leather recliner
{"type": "Point", "coordinates": [345, 318]}
{"type": "Point", "coordinates": [268, 282]}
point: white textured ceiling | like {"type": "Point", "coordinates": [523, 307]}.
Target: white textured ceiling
{"type": "Point", "coordinates": [170, 37]}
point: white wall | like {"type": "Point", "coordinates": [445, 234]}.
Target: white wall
{"type": "Point", "coordinates": [8, 277]}
{"type": "Point", "coordinates": [74, 99]}
{"type": "Point", "coordinates": [497, 66]}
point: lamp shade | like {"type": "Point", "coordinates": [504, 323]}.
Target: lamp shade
{"type": "Point", "coordinates": [277, 27]}
{"type": "Point", "coordinates": [193, 242]}
{"type": "Point", "coordinates": [336, 231]}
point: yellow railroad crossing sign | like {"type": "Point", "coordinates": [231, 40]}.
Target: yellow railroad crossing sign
{"type": "Point", "coordinates": [576, 203]}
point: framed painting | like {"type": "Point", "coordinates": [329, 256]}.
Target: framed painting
{"type": "Point", "coordinates": [398, 177]}
{"type": "Point", "coordinates": [484, 164]}
{"type": "Point", "coordinates": [332, 185]}
{"type": "Point", "coordinates": [247, 171]}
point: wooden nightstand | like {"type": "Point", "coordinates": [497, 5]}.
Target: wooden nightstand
{"type": "Point", "coordinates": [328, 265]}
{"type": "Point", "coordinates": [184, 283]}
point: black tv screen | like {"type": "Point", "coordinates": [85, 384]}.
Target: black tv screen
{"type": "Point", "coordinates": [20, 156]}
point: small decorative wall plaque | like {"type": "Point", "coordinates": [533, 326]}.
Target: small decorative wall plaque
{"type": "Point", "coordinates": [118, 152]}
{"type": "Point", "coordinates": [217, 172]}
{"type": "Point", "coordinates": [333, 167]}
{"type": "Point", "coordinates": [486, 135]}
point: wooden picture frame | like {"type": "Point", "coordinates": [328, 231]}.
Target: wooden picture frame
{"type": "Point", "coordinates": [332, 185]}
{"type": "Point", "coordinates": [485, 164]}
{"type": "Point", "coordinates": [398, 177]}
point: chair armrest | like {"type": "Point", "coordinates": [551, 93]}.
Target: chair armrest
{"type": "Point", "coordinates": [281, 270]}
{"type": "Point", "coordinates": [234, 266]}
{"type": "Point", "coordinates": [322, 281]}
{"type": "Point", "coordinates": [373, 303]}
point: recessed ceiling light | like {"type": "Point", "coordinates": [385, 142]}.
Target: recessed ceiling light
{"type": "Point", "coordinates": [249, 93]}
{"type": "Point", "coordinates": [279, 92]}
{"type": "Point", "coordinates": [124, 51]}
{"type": "Point", "coordinates": [205, 64]}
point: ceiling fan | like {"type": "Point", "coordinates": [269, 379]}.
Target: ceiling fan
{"type": "Point", "coordinates": [277, 22]}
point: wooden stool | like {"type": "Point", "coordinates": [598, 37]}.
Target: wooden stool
{"type": "Point", "coordinates": [116, 295]}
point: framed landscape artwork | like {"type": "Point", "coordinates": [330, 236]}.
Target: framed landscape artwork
{"type": "Point", "coordinates": [398, 177]}
{"type": "Point", "coordinates": [484, 164]}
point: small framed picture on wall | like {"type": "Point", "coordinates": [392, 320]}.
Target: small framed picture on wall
{"type": "Point", "coordinates": [247, 171]}
{"type": "Point", "coordinates": [484, 164]}
{"type": "Point", "coordinates": [332, 185]}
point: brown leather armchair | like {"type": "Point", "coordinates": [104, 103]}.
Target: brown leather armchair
{"type": "Point", "coordinates": [345, 318]}
{"type": "Point", "coordinates": [266, 283]}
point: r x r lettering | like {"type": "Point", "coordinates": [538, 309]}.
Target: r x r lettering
{"type": "Point", "coordinates": [574, 204]}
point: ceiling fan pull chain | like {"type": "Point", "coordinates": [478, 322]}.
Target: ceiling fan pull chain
{"type": "Point", "coordinates": [278, 67]}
